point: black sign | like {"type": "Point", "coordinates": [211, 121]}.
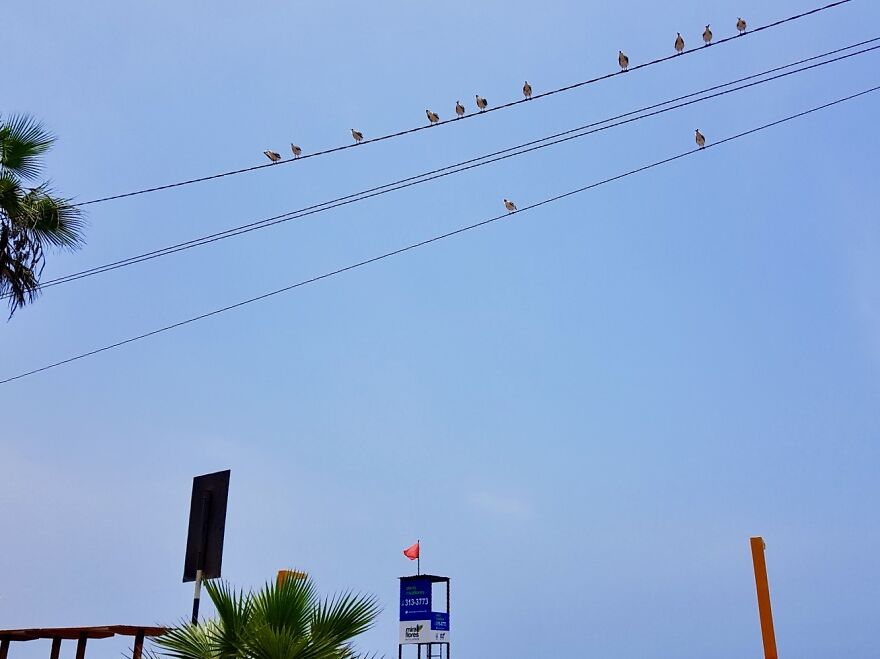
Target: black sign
{"type": "Point", "coordinates": [207, 523]}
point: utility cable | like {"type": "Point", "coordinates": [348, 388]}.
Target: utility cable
{"type": "Point", "coordinates": [434, 239]}
{"type": "Point", "coordinates": [472, 163]}
{"type": "Point", "coordinates": [474, 114]}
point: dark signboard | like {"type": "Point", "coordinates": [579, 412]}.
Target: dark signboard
{"type": "Point", "coordinates": [207, 524]}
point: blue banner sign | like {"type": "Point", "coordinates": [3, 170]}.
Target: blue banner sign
{"type": "Point", "coordinates": [439, 622]}
{"type": "Point", "coordinates": [415, 599]}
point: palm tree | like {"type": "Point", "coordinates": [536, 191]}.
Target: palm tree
{"type": "Point", "coordinates": [281, 621]}
{"type": "Point", "coordinates": [31, 218]}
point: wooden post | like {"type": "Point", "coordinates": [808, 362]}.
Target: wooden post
{"type": "Point", "coordinates": [56, 648]}
{"type": "Point", "coordinates": [4, 648]}
{"type": "Point", "coordinates": [763, 588]}
{"type": "Point", "coordinates": [81, 646]}
{"type": "Point", "coordinates": [138, 645]}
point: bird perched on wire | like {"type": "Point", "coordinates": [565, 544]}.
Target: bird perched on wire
{"type": "Point", "coordinates": [459, 109]}
{"type": "Point", "coordinates": [297, 152]}
{"type": "Point", "coordinates": [510, 206]}
{"type": "Point", "coordinates": [357, 135]}
{"type": "Point", "coordinates": [679, 43]}
{"type": "Point", "coordinates": [272, 155]}
{"type": "Point", "coordinates": [623, 60]}
{"type": "Point", "coordinates": [527, 90]}
{"type": "Point", "coordinates": [707, 36]}
{"type": "Point", "coordinates": [701, 141]}
{"type": "Point", "coordinates": [482, 103]}
{"type": "Point", "coordinates": [433, 117]}
{"type": "Point", "coordinates": [740, 25]}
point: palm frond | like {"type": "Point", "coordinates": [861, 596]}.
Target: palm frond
{"type": "Point", "coordinates": [10, 194]}
{"type": "Point", "coordinates": [286, 605]}
{"type": "Point", "coordinates": [188, 641]}
{"type": "Point", "coordinates": [52, 220]}
{"type": "Point", "coordinates": [267, 642]}
{"type": "Point", "coordinates": [283, 620]}
{"type": "Point", "coordinates": [344, 616]}
{"type": "Point", "coordinates": [23, 140]}
{"type": "Point", "coordinates": [21, 261]}
{"type": "Point", "coordinates": [234, 612]}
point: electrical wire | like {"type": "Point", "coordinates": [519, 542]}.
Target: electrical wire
{"type": "Point", "coordinates": [434, 239]}
{"type": "Point", "coordinates": [448, 121]}
{"type": "Point", "coordinates": [521, 149]}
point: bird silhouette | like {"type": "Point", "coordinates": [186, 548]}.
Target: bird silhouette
{"type": "Point", "coordinates": [527, 90]}
{"type": "Point", "coordinates": [707, 36]}
{"type": "Point", "coordinates": [740, 25]}
{"type": "Point", "coordinates": [272, 155]}
{"type": "Point", "coordinates": [357, 135]}
{"type": "Point", "coordinates": [510, 206]}
{"type": "Point", "coordinates": [679, 43]}
{"type": "Point", "coordinates": [623, 60]}
{"type": "Point", "coordinates": [482, 103]}
{"type": "Point", "coordinates": [297, 152]}
{"type": "Point", "coordinates": [433, 117]}
{"type": "Point", "coordinates": [701, 141]}
{"type": "Point", "coordinates": [459, 109]}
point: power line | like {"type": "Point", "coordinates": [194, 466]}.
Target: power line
{"type": "Point", "coordinates": [472, 163]}
{"type": "Point", "coordinates": [448, 121]}
{"type": "Point", "coordinates": [436, 238]}
{"type": "Point", "coordinates": [458, 167]}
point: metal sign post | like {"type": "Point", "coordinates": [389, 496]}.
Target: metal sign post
{"type": "Point", "coordinates": [207, 526]}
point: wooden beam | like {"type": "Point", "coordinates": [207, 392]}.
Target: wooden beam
{"type": "Point", "coordinates": [56, 648]}
{"type": "Point", "coordinates": [763, 588]}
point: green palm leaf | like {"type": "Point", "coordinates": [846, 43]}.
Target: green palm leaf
{"type": "Point", "coordinates": [22, 141]}
{"type": "Point", "coordinates": [51, 219]}
{"type": "Point", "coordinates": [344, 616]}
{"type": "Point", "coordinates": [31, 219]}
{"type": "Point", "coordinates": [189, 641]}
{"type": "Point", "coordinates": [235, 613]}
{"type": "Point", "coordinates": [280, 621]}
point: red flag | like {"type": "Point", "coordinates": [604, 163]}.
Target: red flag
{"type": "Point", "coordinates": [412, 553]}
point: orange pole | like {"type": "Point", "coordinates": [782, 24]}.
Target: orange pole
{"type": "Point", "coordinates": [284, 575]}
{"type": "Point", "coordinates": [763, 588]}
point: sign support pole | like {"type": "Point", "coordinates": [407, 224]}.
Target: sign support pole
{"type": "Point", "coordinates": [763, 588]}
{"type": "Point", "coordinates": [197, 593]}
{"type": "Point", "coordinates": [197, 597]}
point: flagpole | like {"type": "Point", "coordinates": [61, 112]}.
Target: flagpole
{"type": "Point", "coordinates": [419, 558]}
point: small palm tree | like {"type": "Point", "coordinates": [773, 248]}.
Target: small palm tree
{"type": "Point", "coordinates": [31, 218]}
{"type": "Point", "coordinates": [281, 621]}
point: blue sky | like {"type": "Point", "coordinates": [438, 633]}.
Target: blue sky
{"type": "Point", "coordinates": [583, 413]}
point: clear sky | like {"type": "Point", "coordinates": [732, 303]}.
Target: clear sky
{"type": "Point", "coordinates": [583, 412]}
